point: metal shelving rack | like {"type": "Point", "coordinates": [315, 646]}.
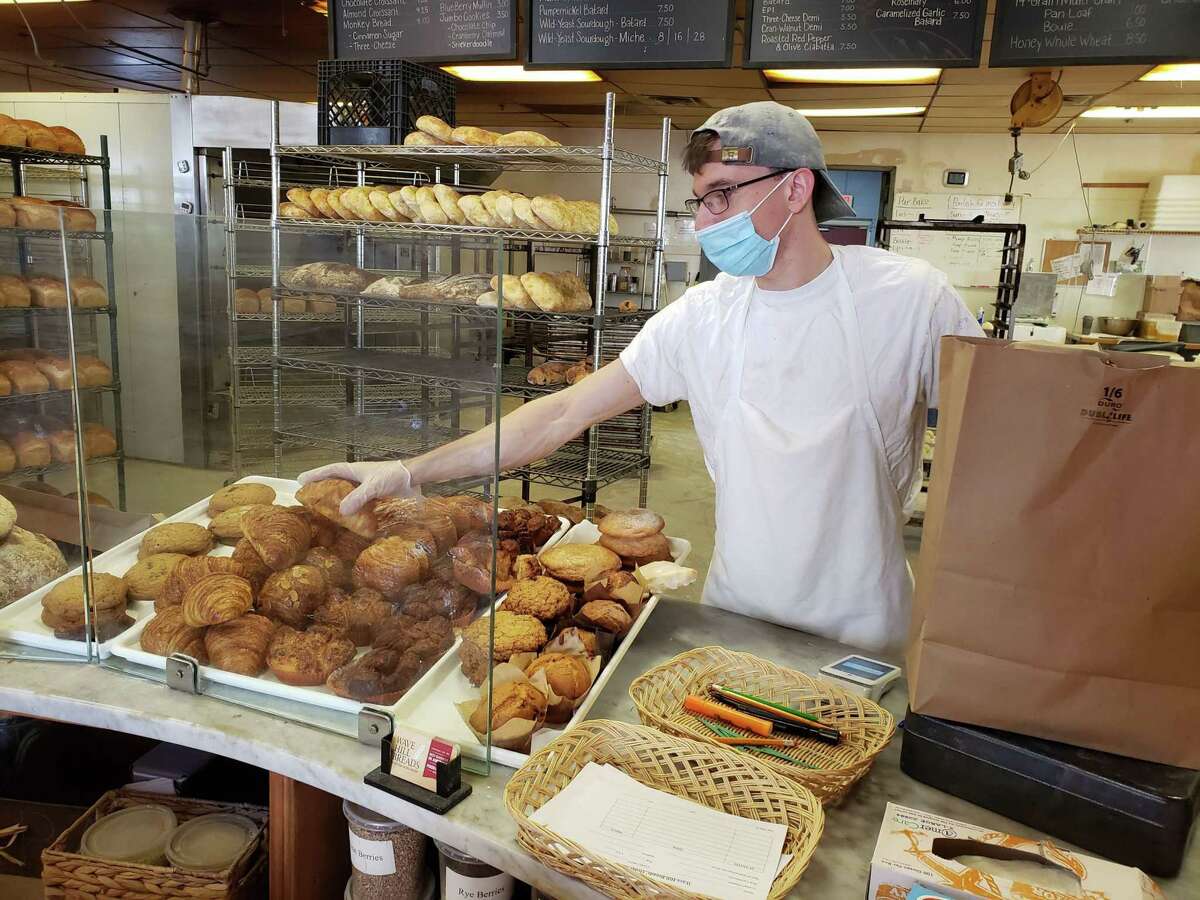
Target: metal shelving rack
{"type": "Point", "coordinates": [1012, 256]}
{"type": "Point", "coordinates": [23, 164]}
{"type": "Point", "coordinates": [612, 451]}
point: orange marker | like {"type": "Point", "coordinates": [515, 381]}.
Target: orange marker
{"type": "Point", "coordinates": [703, 707]}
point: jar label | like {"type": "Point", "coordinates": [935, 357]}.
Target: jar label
{"type": "Point", "coordinates": [464, 887]}
{"type": "Point", "coordinates": [372, 857]}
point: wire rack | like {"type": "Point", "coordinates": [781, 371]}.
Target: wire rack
{"type": "Point", "coordinates": [568, 467]}
{"type": "Point", "coordinates": [383, 434]}
{"type": "Point", "coordinates": [59, 311]}
{"type": "Point", "coordinates": [53, 234]}
{"type": "Point", "coordinates": [35, 471]}
{"type": "Point", "coordinates": [509, 159]}
{"type": "Point", "coordinates": [51, 396]}
{"type": "Point", "coordinates": [50, 157]}
{"type": "Point", "coordinates": [303, 174]}
{"type": "Point", "coordinates": [44, 173]}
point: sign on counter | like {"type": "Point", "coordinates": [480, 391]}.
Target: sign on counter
{"type": "Point", "coordinates": [1087, 32]}
{"type": "Point", "coordinates": [441, 30]}
{"type": "Point", "coordinates": [786, 33]}
{"type": "Point", "coordinates": [630, 34]}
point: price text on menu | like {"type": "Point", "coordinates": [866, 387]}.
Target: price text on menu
{"type": "Point", "coordinates": [1063, 32]}
{"type": "Point", "coordinates": [642, 34]}
{"type": "Point", "coordinates": [943, 33]}
{"type": "Point", "coordinates": [442, 30]}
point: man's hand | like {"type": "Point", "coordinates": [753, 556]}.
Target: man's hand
{"type": "Point", "coordinates": [375, 479]}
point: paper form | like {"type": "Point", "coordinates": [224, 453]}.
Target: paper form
{"type": "Point", "coordinates": [701, 850]}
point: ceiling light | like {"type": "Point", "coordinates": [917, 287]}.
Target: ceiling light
{"type": "Point", "coordinates": [31, 2]}
{"type": "Point", "coordinates": [859, 112]}
{"type": "Point", "coordinates": [1142, 112]}
{"type": "Point", "coordinates": [519, 73]}
{"type": "Point", "coordinates": [1173, 72]}
{"type": "Point", "coordinates": [855, 76]}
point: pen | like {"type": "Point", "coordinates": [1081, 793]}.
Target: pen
{"type": "Point", "coordinates": [778, 707]}
{"type": "Point", "coordinates": [694, 704]}
{"type": "Point", "coordinates": [784, 722]}
{"type": "Point", "coordinates": [722, 731]}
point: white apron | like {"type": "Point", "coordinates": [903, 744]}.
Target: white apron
{"type": "Point", "coordinates": [808, 520]}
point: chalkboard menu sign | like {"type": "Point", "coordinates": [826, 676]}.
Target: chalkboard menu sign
{"type": "Point", "coordinates": [433, 30]}
{"type": "Point", "coordinates": [836, 33]}
{"type": "Point", "coordinates": [630, 34]}
{"type": "Point", "coordinates": [1091, 32]}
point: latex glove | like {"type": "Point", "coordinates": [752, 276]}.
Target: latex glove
{"type": "Point", "coordinates": [375, 480]}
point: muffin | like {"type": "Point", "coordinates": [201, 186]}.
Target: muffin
{"type": "Point", "coordinates": [514, 633]}
{"type": "Point", "coordinates": [541, 596]}
{"type": "Point", "coordinates": [608, 615]}
{"type": "Point", "coordinates": [513, 700]}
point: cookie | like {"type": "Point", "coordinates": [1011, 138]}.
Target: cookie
{"type": "Point", "coordinates": [176, 537]}
{"type": "Point", "coordinates": [244, 494]}
{"type": "Point", "coordinates": [542, 597]}
{"type": "Point", "coordinates": [108, 592]}
{"type": "Point", "coordinates": [146, 579]}
{"type": "Point", "coordinates": [226, 525]}
{"type": "Point", "coordinates": [632, 523]}
{"type": "Point", "coordinates": [579, 562]}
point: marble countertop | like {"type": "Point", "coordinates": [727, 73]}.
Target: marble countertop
{"type": "Point", "coordinates": [480, 825]}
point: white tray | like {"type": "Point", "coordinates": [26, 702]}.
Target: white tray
{"type": "Point", "coordinates": [431, 705]}
{"type": "Point", "coordinates": [21, 622]}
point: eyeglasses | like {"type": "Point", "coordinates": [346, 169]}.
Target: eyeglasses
{"type": "Point", "coordinates": [716, 201]}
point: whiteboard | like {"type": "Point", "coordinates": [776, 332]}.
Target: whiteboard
{"type": "Point", "coordinates": [971, 260]}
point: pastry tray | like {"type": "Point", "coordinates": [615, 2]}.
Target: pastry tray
{"type": "Point", "coordinates": [21, 621]}
{"type": "Point", "coordinates": [431, 705]}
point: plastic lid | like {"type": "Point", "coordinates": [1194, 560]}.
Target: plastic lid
{"type": "Point", "coordinates": [458, 855]}
{"type": "Point", "coordinates": [136, 834]}
{"type": "Point", "coordinates": [210, 843]}
{"type": "Point", "coordinates": [369, 820]}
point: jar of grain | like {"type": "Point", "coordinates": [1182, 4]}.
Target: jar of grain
{"type": "Point", "coordinates": [467, 878]}
{"type": "Point", "coordinates": [388, 858]}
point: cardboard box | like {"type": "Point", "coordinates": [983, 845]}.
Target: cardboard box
{"type": "Point", "coordinates": [1162, 294]}
{"type": "Point", "coordinates": [917, 848]}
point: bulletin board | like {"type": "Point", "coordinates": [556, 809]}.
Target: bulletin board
{"type": "Point", "coordinates": [1056, 249]}
{"type": "Point", "coordinates": [971, 260]}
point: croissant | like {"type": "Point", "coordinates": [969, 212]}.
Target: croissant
{"type": "Point", "coordinates": [325, 498]}
{"type": "Point", "coordinates": [256, 571]}
{"type": "Point", "coordinates": [307, 657]}
{"type": "Point", "coordinates": [279, 537]}
{"type": "Point", "coordinates": [396, 512]}
{"type": "Point", "coordinates": [215, 599]}
{"type": "Point", "coordinates": [190, 570]}
{"type": "Point", "coordinates": [240, 645]}
{"type": "Point", "coordinates": [391, 565]}
{"type": "Point", "coordinates": [167, 633]}
{"type": "Point", "coordinates": [336, 572]}
{"type": "Point", "coordinates": [292, 595]}
{"type": "Point", "coordinates": [348, 546]}
{"type": "Point", "coordinates": [354, 615]}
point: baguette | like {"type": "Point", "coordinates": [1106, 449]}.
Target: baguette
{"type": "Point", "coordinates": [431, 210]}
{"type": "Point", "coordinates": [525, 139]}
{"type": "Point", "coordinates": [380, 199]}
{"type": "Point", "coordinates": [473, 208]}
{"type": "Point", "coordinates": [300, 197]}
{"type": "Point", "coordinates": [435, 127]}
{"type": "Point", "coordinates": [447, 198]}
{"type": "Point", "coordinates": [474, 137]}
{"type": "Point", "coordinates": [320, 199]}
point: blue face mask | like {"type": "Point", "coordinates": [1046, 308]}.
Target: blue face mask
{"type": "Point", "coordinates": [735, 247]}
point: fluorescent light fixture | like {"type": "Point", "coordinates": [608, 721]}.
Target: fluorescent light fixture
{"type": "Point", "coordinates": [519, 73]}
{"type": "Point", "coordinates": [1173, 72]}
{"type": "Point", "coordinates": [1142, 112]}
{"type": "Point", "coordinates": [855, 76]}
{"type": "Point", "coordinates": [861, 112]}
{"type": "Point", "coordinates": [31, 2]}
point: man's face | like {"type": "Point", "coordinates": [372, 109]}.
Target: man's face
{"type": "Point", "coordinates": [770, 216]}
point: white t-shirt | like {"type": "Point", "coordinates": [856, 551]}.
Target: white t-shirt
{"type": "Point", "coordinates": [904, 308]}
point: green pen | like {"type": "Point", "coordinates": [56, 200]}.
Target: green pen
{"type": "Point", "coordinates": [779, 706]}
{"type": "Point", "coordinates": [769, 751]}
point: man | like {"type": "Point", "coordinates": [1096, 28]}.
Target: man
{"type": "Point", "coordinates": [808, 370]}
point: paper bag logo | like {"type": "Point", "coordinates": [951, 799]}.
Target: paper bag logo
{"type": "Point", "coordinates": [1109, 408]}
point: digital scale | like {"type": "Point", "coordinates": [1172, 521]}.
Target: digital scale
{"type": "Point", "coordinates": [862, 675]}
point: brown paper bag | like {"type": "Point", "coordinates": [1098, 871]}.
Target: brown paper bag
{"type": "Point", "coordinates": [1058, 589]}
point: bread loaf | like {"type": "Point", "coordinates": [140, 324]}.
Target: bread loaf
{"type": "Point", "coordinates": [300, 197]}
{"type": "Point", "coordinates": [558, 292]}
{"type": "Point", "coordinates": [57, 371]}
{"type": "Point", "coordinates": [525, 139]}
{"type": "Point", "coordinates": [474, 137]}
{"type": "Point", "coordinates": [25, 377]}
{"type": "Point", "coordinates": [380, 199]}
{"type": "Point", "coordinates": [5, 386]}
{"type": "Point", "coordinates": [578, 372]}
{"type": "Point", "coordinates": [8, 462]}
{"type": "Point", "coordinates": [8, 215]}
{"type": "Point", "coordinates": [447, 198]}
{"type": "Point", "coordinates": [420, 139]}
{"type": "Point", "coordinates": [76, 216]}
{"type": "Point", "coordinates": [98, 440]}
{"type": "Point", "coordinates": [68, 141]}
{"type": "Point", "coordinates": [327, 276]}
{"type": "Point", "coordinates": [435, 127]}
{"type": "Point", "coordinates": [245, 301]}
{"type": "Point", "coordinates": [12, 133]}
{"type": "Point", "coordinates": [88, 293]}
{"type": "Point", "coordinates": [407, 201]}
{"type": "Point", "coordinates": [515, 295]}
{"type": "Point", "coordinates": [451, 289]}
{"type": "Point", "coordinates": [472, 207]}
{"type": "Point", "coordinates": [320, 199]}
{"type": "Point", "coordinates": [33, 452]}
{"type": "Point", "coordinates": [341, 211]}
{"type": "Point", "coordinates": [555, 213]}
{"type": "Point", "coordinates": [14, 291]}
{"type": "Point", "coordinates": [358, 201]}
{"type": "Point", "coordinates": [526, 217]}
{"type": "Point", "coordinates": [490, 199]}
{"type": "Point", "coordinates": [92, 371]}
{"type": "Point", "coordinates": [293, 211]}
{"type": "Point", "coordinates": [320, 306]}
{"type": "Point", "coordinates": [33, 212]}
{"type": "Point", "coordinates": [431, 209]}
{"type": "Point", "coordinates": [38, 136]}
{"type": "Point", "coordinates": [46, 292]}
{"type": "Point", "coordinates": [62, 445]}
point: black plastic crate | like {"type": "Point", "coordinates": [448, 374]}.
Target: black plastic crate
{"type": "Point", "coordinates": [377, 101]}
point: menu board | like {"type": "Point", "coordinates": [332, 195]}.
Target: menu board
{"type": "Point", "coordinates": [442, 30]}
{"type": "Point", "coordinates": [630, 34]}
{"type": "Point", "coordinates": [1087, 32]}
{"type": "Point", "coordinates": [835, 33]}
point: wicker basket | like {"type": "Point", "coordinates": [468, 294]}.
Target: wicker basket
{"type": "Point", "coordinates": [708, 775]}
{"type": "Point", "coordinates": [828, 771]}
{"type": "Point", "coordinates": [67, 874]}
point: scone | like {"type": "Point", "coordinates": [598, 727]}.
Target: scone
{"type": "Point", "coordinates": [146, 578]}
{"type": "Point", "coordinates": [240, 495]}
{"type": "Point", "coordinates": [307, 657]}
{"type": "Point", "coordinates": [176, 537]}
{"type": "Point", "coordinates": [514, 633]}
{"type": "Point", "coordinates": [543, 597]}
{"type": "Point", "coordinates": [579, 562]}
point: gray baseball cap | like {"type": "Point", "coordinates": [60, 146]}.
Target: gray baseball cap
{"type": "Point", "coordinates": [766, 133]}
